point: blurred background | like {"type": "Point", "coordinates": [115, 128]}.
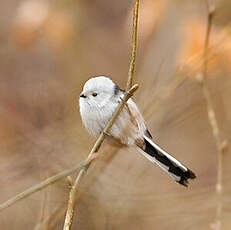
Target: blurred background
{"type": "Point", "coordinates": [49, 48]}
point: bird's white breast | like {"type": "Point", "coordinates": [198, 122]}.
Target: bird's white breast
{"type": "Point", "coordinates": [94, 119]}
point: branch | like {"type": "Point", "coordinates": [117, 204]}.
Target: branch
{"type": "Point", "coordinates": [43, 184]}
{"type": "Point", "coordinates": [84, 164]}
{"type": "Point", "coordinates": [133, 45]}
{"type": "Point", "coordinates": [71, 201]}
{"type": "Point", "coordinates": [221, 144]}
{"type": "Point", "coordinates": [211, 12]}
{"type": "Point", "coordinates": [129, 92]}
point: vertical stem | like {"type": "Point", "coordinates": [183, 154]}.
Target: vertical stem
{"type": "Point", "coordinates": [129, 92]}
{"type": "Point", "coordinates": [133, 45]}
{"type": "Point", "coordinates": [207, 38]}
{"type": "Point", "coordinates": [72, 195]}
{"type": "Point", "coordinates": [71, 201]}
{"type": "Point", "coordinates": [221, 144]}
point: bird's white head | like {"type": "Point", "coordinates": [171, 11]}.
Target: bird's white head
{"type": "Point", "coordinates": [98, 92]}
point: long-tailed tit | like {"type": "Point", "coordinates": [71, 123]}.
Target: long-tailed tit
{"type": "Point", "coordinates": [98, 101]}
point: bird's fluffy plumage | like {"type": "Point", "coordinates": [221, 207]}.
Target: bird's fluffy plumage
{"type": "Point", "coordinates": [98, 101]}
{"type": "Point", "coordinates": [96, 111]}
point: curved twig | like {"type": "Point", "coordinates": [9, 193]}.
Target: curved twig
{"type": "Point", "coordinates": [129, 92]}
{"type": "Point", "coordinates": [72, 194]}
{"type": "Point", "coordinates": [42, 185]}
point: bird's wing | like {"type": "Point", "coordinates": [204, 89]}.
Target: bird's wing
{"type": "Point", "coordinates": [137, 118]}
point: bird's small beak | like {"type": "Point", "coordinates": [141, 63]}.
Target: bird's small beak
{"type": "Point", "coordinates": [82, 95]}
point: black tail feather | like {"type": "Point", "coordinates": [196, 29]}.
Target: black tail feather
{"type": "Point", "coordinates": [173, 167]}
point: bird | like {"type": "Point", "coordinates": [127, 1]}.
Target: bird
{"type": "Point", "coordinates": [97, 103]}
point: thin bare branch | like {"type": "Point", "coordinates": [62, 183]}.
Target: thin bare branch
{"type": "Point", "coordinates": [211, 12]}
{"type": "Point", "coordinates": [72, 194]}
{"type": "Point", "coordinates": [43, 184]}
{"type": "Point", "coordinates": [85, 164]}
{"type": "Point", "coordinates": [133, 45]}
{"type": "Point", "coordinates": [129, 92]}
{"type": "Point", "coordinates": [221, 144]}
{"type": "Point", "coordinates": [43, 205]}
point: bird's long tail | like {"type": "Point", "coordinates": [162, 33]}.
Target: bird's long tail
{"type": "Point", "coordinates": [169, 164]}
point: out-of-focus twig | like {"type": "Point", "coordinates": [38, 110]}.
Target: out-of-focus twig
{"type": "Point", "coordinates": [134, 44]}
{"type": "Point", "coordinates": [43, 184]}
{"type": "Point", "coordinates": [211, 11]}
{"type": "Point", "coordinates": [51, 221]}
{"type": "Point", "coordinates": [55, 217]}
{"type": "Point", "coordinates": [43, 205]}
{"type": "Point", "coordinates": [129, 92]}
{"type": "Point", "coordinates": [221, 144]}
{"type": "Point", "coordinates": [42, 211]}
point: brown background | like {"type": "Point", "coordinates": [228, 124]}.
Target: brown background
{"type": "Point", "coordinates": [48, 49]}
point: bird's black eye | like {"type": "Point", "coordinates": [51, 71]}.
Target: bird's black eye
{"type": "Point", "coordinates": [94, 94]}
